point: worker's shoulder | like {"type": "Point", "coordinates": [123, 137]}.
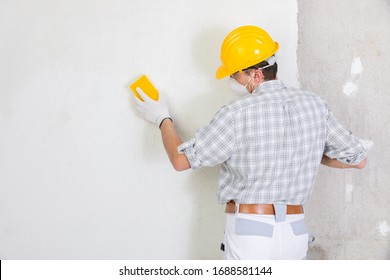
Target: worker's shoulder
{"type": "Point", "coordinates": [300, 98]}
{"type": "Point", "coordinates": [295, 93]}
{"type": "Point", "coordinates": [281, 96]}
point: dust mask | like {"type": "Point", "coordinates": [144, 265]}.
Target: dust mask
{"type": "Point", "coordinates": [238, 88]}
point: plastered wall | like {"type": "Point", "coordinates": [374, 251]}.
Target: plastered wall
{"type": "Point", "coordinates": [81, 175]}
{"type": "Point", "coordinates": [343, 54]}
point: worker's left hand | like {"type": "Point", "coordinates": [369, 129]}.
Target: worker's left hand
{"type": "Point", "coordinates": [152, 110]}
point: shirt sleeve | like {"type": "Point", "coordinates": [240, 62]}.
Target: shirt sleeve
{"type": "Point", "coordinates": [213, 144]}
{"type": "Point", "coordinates": [341, 144]}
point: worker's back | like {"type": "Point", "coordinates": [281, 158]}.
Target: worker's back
{"type": "Point", "coordinates": [279, 142]}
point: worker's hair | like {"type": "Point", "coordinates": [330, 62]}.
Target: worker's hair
{"type": "Point", "coordinates": [269, 72]}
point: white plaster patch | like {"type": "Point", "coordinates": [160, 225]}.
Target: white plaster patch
{"type": "Point", "coordinates": [383, 228]}
{"type": "Point", "coordinates": [357, 67]}
{"type": "Point", "coordinates": [348, 193]}
{"type": "Point", "coordinates": [367, 144]}
{"type": "Point", "coordinates": [348, 190]}
{"type": "Point", "coordinates": [350, 88]}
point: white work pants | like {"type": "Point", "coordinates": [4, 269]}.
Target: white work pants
{"type": "Point", "coordinates": [260, 237]}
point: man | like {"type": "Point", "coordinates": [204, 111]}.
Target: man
{"type": "Point", "coordinates": [269, 142]}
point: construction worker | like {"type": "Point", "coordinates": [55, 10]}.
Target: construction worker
{"type": "Point", "coordinates": [269, 142]}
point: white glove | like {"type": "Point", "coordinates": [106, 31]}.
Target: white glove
{"type": "Point", "coordinates": [152, 110]}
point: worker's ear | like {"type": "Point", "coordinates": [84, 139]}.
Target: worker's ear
{"type": "Point", "coordinates": [258, 76]}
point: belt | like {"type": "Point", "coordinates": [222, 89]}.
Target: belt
{"type": "Point", "coordinates": [266, 209]}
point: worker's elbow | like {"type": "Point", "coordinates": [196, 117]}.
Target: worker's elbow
{"type": "Point", "coordinates": [362, 164]}
{"type": "Point", "coordinates": [180, 163]}
{"type": "Point", "coordinates": [179, 167]}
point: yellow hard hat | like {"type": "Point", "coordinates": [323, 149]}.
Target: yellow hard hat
{"type": "Point", "coordinates": [244, 47]}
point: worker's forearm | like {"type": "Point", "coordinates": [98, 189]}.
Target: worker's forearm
{"type": "Point", "coordinates": [337, 164]}
{"type": "Point", "coordinates": [171, 141]}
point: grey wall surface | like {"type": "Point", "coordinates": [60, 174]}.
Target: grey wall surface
{"type": "Point", "coordinates": [343, 55]}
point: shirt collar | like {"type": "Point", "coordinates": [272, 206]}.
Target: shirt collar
{"type": "Point", "coordinates": [269, 86]}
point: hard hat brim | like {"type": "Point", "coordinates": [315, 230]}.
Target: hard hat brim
{"type": "Point", "coordinates": [222, 72]}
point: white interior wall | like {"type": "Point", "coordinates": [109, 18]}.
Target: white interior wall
{"type": "Point", "coordinates": [81, 175]}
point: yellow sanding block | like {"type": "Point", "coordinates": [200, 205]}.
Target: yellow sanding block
{"type": "Point", "coordinates": [144, 83]}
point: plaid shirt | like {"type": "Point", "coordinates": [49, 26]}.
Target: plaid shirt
{"type": "Point", "coordinates": [270, 144]}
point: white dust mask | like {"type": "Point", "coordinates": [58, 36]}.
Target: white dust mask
{"type": "Point", "coordinates": [238, 88]}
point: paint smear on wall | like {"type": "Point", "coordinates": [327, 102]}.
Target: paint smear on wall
{"type": "Point", "coordinates": [351, 87]}
{"type": "Point", "coordinates": [383, 228]}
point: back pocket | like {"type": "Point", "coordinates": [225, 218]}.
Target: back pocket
{"type": "Point", "coordinates": [250, 227]}
{"type": "Point", "coordinates": [299, 227]}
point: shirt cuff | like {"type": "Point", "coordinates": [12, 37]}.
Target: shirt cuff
{"type": "Point", "coordinates": [188, 148]}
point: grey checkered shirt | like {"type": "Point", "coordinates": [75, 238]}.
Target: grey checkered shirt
{"type": "Point", "coordinates": [270, 144]}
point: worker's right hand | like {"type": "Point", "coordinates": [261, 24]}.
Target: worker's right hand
{"type": "Point", "coordinates": [152, 110]}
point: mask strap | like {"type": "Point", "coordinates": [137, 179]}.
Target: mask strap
{"type": "Point", "coordinates": [271, 61]}
{"type": "Point", "coordinates": [250, 78]}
